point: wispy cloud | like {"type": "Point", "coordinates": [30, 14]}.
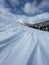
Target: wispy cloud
{"type": "Point", "coordinates": [14, 2]}
{"type": "Point", "coordinates": [33, 8]}
{"type": "Point", "coordinates": [44, 4]}
{"type": "Point", "coordinates": [6, 15]}
{"type": "Point", "coordinates": [39, 18]}
{"type": "Point", "coordinates": [29, 8]}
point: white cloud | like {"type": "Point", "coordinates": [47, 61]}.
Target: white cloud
{"type": "Point", "coordinates": [39, 18]}
{"type": "Point", "coordinates": [44, 4]}
{"type": "Point", "coordinates": [6, 15]}
{"type": "Point", "coordinates": [14, 2]}
{"type": "Point", "coordinates": [32, 20]}
{"type": "Point", "coordinates": [32, 8]}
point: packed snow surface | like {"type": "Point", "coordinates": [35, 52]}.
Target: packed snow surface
{"type": "Point", "coordinates": [21, 45]}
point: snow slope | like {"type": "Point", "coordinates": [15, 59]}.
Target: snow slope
{"type": "Point", "coordinates": [21, 45]}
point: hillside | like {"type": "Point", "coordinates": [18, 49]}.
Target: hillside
{"type": "Point", "coordinates": [42, 26]}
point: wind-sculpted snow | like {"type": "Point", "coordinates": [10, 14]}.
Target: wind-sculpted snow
{"type": "Point", "coordinates": [19, 44]}
{"type": "Point", "coordinates": [16, 44]}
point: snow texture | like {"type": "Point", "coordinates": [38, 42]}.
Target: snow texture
{"type": "Point", "coordinates": [21, 45]}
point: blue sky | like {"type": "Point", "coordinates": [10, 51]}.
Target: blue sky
{"type": "Point", "coordinates": [28, 7]}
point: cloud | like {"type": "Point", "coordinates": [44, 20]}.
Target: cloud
{"type": "Point", "coordinates": [44, 4]}
{"type": "Point", "coordinates": [30, 8]}
{"type": "Point", "coordinates": [33, 8]}
{"type": "Point", "coordinates": [9, 17]}
{"type": "Point", "coordinates": [39, 18]}
{"type": "Point", "coordinates": [2, 1]}
{"type": "Point", "coordinates": [35, 19]}
{"type": "Point", "coordinates": [32, 20]}
{"type": "Point", "coordinates": [14, 2]}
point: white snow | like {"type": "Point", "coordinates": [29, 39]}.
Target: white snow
{"type": "Point", "coordinates": [21, 45]}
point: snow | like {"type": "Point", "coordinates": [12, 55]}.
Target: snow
{"type": "Point", "coordinates": [21, 45]}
